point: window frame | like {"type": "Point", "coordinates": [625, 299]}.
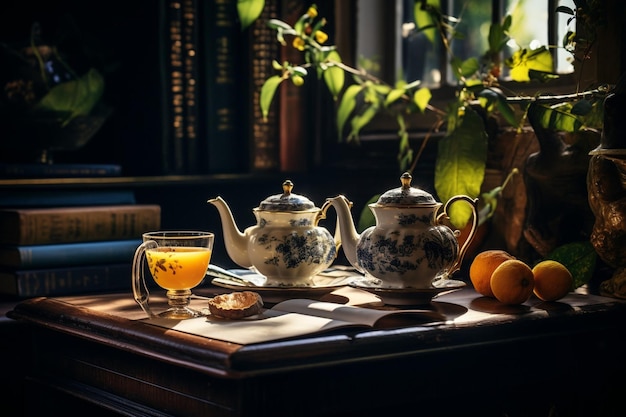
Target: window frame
{"type": "Point", "coordinates": [385, 128]}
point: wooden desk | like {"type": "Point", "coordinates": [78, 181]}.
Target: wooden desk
{"type": "Point", "coordinates": [489, 360]}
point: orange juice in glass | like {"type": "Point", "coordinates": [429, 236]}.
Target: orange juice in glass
{"type": "Point", "coordinates": [177, 261]}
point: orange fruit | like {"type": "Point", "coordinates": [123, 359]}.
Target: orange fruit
{"type": "Point", "coordinates": [552, 280]}
{"type": "Point", "coordinates": [483, 266]}
{"type": "Point", "coordinates": [512, 282]}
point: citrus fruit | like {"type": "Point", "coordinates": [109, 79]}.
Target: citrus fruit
{"type": "Point", "coordinates": [552, 280]}
{"type": "Point", "coordinates": [512, 282]}
{"type": "Point", "coordinates": [483, 266]}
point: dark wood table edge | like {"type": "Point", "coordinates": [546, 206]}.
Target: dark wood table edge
{"type": "Point", "coordinates": [229, 360]}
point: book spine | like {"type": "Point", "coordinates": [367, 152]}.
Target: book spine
{"type": "Point", "coordinates": [292, 127]}
{"type": "Point", "coordinates": [265, 146]}
{"type": "Point", "coordinates": [190, 35]}
{"type": "Point", "coordinates": [77, 224]}
{"type": "Point", "coordinates": [68, 254]}
{"type": "Point", "coordinates": [173, 146]}
{"type": "Point", "coordinates": [44, 198]}
{"type": "Point", "coordinates": [66, 281]}
{"type": "Point", "coordinates": [59, 170]}
{"type": "Point", "coordinates": [224, 130]}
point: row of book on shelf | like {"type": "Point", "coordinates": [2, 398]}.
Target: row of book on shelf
{"type": "Point", "coordinates": [210, 82]}
{"type": "Point", "coordinates": [69, 242]}
{"type": "Point", "coordinates": [219, 126]}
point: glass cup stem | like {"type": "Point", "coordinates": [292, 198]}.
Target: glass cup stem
{"type": "Point", "coordinates": [178, 301]}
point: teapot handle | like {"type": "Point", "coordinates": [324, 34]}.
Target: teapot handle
{"type": "Point", "coordinates": [473, 202]}
{"type": "Point", "coordinates": [322, 215]}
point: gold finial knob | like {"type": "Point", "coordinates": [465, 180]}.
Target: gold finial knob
{"type": "Point", "coordinates": [406, 180]}
{"type": "Point", "coordinates": [287, 187]}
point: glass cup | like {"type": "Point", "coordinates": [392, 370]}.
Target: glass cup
{"type": "Point", "coordinates": [177, 261]}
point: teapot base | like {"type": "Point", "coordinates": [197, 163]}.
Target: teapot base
{"type": "Point", "coordinates": [407, 296]}
{"type": "Point", "coordinates": [401, 282]}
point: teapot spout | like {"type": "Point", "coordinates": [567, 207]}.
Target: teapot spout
{"type": "Point", "coordinates": [235, 241]}
{"type": "Point", "coordinates": [347, 230]}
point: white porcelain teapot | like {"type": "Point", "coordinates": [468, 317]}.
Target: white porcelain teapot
{"type": "Point", "coordinates": [410, 246]}
{"type": "Point", "coordinates": [286, 245]}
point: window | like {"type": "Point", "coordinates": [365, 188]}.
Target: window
{"type": "Point", "coordinates": [380, 36]}
{"type": "Point", "coordinates": [411, 56]}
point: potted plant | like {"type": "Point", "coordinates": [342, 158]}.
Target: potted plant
{"type": "Point", "coordinates": [45, 105]}
{"type": "Point", "coordinates": [479, 99]}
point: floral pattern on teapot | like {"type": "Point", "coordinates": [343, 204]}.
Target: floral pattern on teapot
{"type": "Point", "coordinates": [404, 254]}
{"type": "Point", "coordinates": [294, 250]}
{"type": "Point", "coordinates": [408, 219]}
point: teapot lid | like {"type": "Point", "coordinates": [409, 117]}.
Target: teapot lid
{"type": "Point", "coordinates": [286, 201]}
{"type": "Point", "coordinates": [406, 195]}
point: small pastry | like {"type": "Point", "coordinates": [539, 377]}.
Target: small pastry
{"type": "Point", "coordinates": [236, 305]}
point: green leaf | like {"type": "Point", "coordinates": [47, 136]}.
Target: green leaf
{"type": "Point", "coordinates": [498, 36]}
{"type": "Point", "coordinates": [474, 84]}
{"type": "Point", "coordinates": [372, 93]}
{"type": "Point", "coordinates": [556, 118]}
{"type": "Point", "coordinates": [249, 11]}
{"type": "Point", "coordinates": [506, 22]}
{"type": "Point", "coordinates": [405, 152]}
{"type": "Point", "coordinates": [394, 95]}
{"type": "Point", "coordinates": [506, 110]}
{"type": "Point", "coordinates": [421, 98]}
{"type": "Point", "coordinates": [541, 75]}
{"type": "Point", "coordinates": [453, 110]}
{"type": "Point", "coordinates": [380, 88]}
{"type": "Point", "coordinates": [579, 257]}
{"type": "Point", "coordinates": [346, 106]}
{"type": "Point", "coordinates": [487, 98]}
{"type": "Point", "coordinates": [334, 76]}
{"type": "Point", "coordinates": [424, 20]}
{"type": "Point", "coordinates": [361, 120]}
{"type": "Point", "coordinates": [367, 219]}
{"type": "Point", "coordinates": [469, 67]}
{"type": "Point", "coordinates": [540, 59]}
{"type": "Point", "coordinates": [76, 97]}
{"type": "Point", "coordinates": [267, 93]}
{"type": "Point", "coordinates": [523, 61]}
{"type": "Point", "coordinates": [460, 165]}
{"type": "Point", "coordinates": [455, 63]}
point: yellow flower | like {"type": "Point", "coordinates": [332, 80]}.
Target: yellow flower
{"type": "Point", "coordinates": [320, 36]}
{"type": "Point", "coordinates": [312, 12]}
{"type": "Point", "coordinates": [298, 43]}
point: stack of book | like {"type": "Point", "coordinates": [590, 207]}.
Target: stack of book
{"type": "Point", "coordinates": [67, 242]}
{"type": "Point", "coordinates": [41, 170]}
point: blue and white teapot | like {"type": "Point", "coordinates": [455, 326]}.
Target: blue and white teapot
{"type": "Point", "coordinates": [286, 245]}
{"type": "Point", "coordinates": [410, 246]}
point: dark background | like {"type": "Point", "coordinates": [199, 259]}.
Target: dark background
{"type": "Point", "coordinates": [120, 39]}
